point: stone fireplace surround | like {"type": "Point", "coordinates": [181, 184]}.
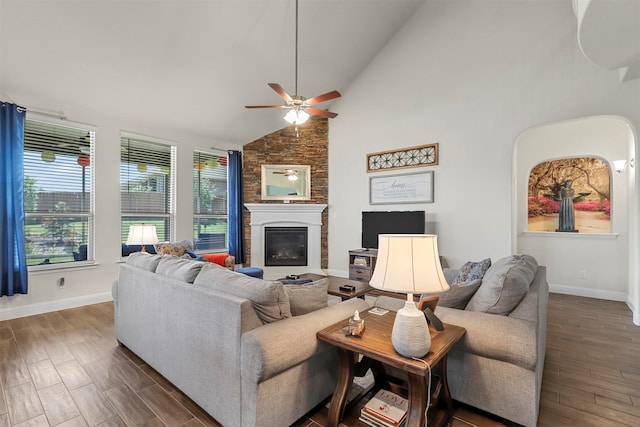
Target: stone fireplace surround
{"type": "Point", "coordinates": [286, 215]}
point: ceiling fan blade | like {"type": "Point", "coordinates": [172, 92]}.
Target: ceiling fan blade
{"type": "Point", "coordinates": [323, 113]}
{"type": "Point", "coordinates": [324, 97]}
{"type": "Point", "coordinates": [283, 94]}
{"type": "Point", "coordinates": [266, 106]}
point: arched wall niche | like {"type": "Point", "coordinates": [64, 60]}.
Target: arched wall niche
{"type": "Point", "coordinates": [593, 265]}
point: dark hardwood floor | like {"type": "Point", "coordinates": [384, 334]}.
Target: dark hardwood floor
{"type": "Point", "coordinates": [65, 368]}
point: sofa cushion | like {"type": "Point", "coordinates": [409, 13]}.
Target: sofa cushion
{"type": "Point", "coordinates": [458, 295]}
{"type": "Point", "coordinates": [177, 268]}
{"type": "Point", "coordinates": [268, 298]}
{"type": "Point", "coordinates": [471, 271]}
{"type": "Point", "coordinates": [173, 248]}
{"type": "Point", "coordinates": [494, 337]}
{"type": "Point", "coordinates": [144, 260]}
{"type": "Point", "coordinates": [307, 297]}
{"type": "Point", "coordinates": [504, 285]}
{"type": "Point", "coordinates": [450, 274]}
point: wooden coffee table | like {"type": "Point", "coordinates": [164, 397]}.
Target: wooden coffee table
{"type": "Point", "coordinates": [335, 282]}
{"type": "Point", "coordinates": [376, 344]}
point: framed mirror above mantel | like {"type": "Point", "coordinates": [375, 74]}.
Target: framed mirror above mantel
{"type": "Point", "coordinates": [286, 182]}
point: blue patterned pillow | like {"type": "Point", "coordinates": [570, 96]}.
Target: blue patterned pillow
{"type": "Point", "coordinates": [472, 271]}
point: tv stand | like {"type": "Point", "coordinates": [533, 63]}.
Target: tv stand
{"type": "Point", "coordinates": [362, 263]}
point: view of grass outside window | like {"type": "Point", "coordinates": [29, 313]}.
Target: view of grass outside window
{"type": "Point", "coordinates": [210, 212]}
{"type": "Point", "coordinates": [147, 188]}
{"type": "Point", "coordinates": [58, 193]}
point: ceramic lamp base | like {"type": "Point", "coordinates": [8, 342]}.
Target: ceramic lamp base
{"type": "Point", "coordinates": [410, 334]}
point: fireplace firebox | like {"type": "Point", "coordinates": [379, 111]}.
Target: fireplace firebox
{"type": "Point", "coordinates": [285, 246]}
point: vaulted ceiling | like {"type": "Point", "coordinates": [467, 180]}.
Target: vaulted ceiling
{"type": "Point", "coordinates": [187, 65]}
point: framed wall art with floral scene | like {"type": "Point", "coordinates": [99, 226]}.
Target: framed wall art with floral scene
{"type": "Point", "coordinates": [570, 195]}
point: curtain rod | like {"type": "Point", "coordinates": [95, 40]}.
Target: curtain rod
{"type": "Point", "coordinates": [20, 108]}
{"type": "Point", "coordinates": [50, 113]}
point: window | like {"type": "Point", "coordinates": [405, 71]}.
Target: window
{"type": "Point", "coordinates": [58, 193]}
{"type": "Point", "coordinates": [210, 210]}
{"type": "Point", "coordinates": [147, 187]}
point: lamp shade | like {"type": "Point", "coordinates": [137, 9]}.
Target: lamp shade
{"type": "Point", "coordinates": [408, 263]}
{"type": "Point", "coordinates": [142, 234]}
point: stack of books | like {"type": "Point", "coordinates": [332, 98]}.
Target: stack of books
{"type": "Point", "coordinates": [360, 261]}
{"type": "Point", "coordinates": [385, 409]}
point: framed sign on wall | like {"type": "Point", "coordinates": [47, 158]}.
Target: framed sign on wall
{"type": "Point", "coordinates": [407, 188]}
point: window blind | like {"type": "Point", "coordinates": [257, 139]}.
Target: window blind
{"type": "Point", "coordinates": [58, 193]}
{"type": "Point", "coordinates": [147, 185]}
{"type": "Point", "coordinates": [210, 201]}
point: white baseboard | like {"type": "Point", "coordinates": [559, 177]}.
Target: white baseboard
{"type": "Point", "coordinates": [590, 293]}
{"type": "Point", "coordinates": [46, 307]}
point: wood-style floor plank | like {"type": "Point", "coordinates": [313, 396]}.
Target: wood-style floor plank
{"type": "Point", "coordinates": [66, 369]}
{"type": "Point", "coordinates": [129, 406]}
{"type": "Point", "coordinates": [58, 404]}
{"type": "Point", "coordinates": [94, 406]}
{"type": "Point", "coordinates": [23, 403]}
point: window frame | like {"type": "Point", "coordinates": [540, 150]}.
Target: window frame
{"type": "Point", "coordinates": [199, 216]}
{"type": "Point", "coordinates": [171, 196]}
{"type": "Point", "coordinates": [90, 214]}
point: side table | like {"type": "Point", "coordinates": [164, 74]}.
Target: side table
{"type": "Point", "coordinates": [376, 344]}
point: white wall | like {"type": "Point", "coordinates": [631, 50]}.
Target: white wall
{"type": "Point", "coordinates": [603, 257]}
{"type": "Point", "coordinates": [93, 284]}
{"type": "Point", "coordinates": [470, 75]}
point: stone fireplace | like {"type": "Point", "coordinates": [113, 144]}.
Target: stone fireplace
{"type": "Point", "coordinates": [279, 220]}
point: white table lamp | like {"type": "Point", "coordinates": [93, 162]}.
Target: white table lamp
{"type": "Point", "coordinates": [142, 234]}
{"type": "Point", "coordinates": [409, 263]}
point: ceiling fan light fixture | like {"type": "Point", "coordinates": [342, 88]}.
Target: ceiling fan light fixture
{"type": "Point", "coordinates": [296, 117]}
{"type": "Point", "coordinates": [292, 178]}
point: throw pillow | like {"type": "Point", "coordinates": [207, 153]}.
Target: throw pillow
{"type": "Point", "coordinates": [268, 298]}
{"type": "Point", "coordinates": [216, 258]}
{"type": "Point", "coordinates": [458, 295]}
{"type": "Point", "coordinates": [472, 271]}
{"type": "Point", "coordinates": [504, 285]}
{"type": "Point", "coordinates": [144, 260]}
{"type": "Point", "coordinates": [173, 248]}
{"type": "Point", "coordinates": [308, 297]}
{"type": "Point", "coordinates": [181, 269]}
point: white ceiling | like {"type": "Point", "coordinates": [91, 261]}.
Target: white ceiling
{"type": "Point", "coordinates": [188, 65]}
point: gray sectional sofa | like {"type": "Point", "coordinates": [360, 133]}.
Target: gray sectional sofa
{"type": "Point", "coordinates": [229, 341]}
{"type": "Point", "coordinates": [498, 364]}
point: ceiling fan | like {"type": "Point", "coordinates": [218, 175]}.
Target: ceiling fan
{"type": "Point", "coordinates": [299, 106]}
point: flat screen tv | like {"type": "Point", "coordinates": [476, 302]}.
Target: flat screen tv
{"type": "Point", "coordinates": [390, 222]}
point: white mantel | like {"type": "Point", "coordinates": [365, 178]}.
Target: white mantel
{"type": "Point", "coordinates": [286, 215]}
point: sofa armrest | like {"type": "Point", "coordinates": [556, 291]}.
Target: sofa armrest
{"type": "Point", "coordinates": [275, 347]}
{"type": "Point", "coordinates": [496, 337]}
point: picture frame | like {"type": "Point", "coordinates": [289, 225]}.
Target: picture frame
{"type": "Point", "coordinates": [286, 182]}
{"type": "Point", "coordinates": [405, 188]}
